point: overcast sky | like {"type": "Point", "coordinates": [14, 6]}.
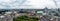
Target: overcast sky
{"type": "Point", "coordinates": [28, 4]}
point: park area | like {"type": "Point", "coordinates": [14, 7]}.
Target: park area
{"type": "Point", "coordinates": [26, 17]}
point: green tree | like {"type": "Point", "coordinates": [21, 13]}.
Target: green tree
{"type": "Point", "coordinates": [25, 18]}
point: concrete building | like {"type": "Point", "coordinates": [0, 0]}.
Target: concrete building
{"type": "Point", "coordinates": [8, 16]}
{"type": "Point", "coordinates": [39, 11]}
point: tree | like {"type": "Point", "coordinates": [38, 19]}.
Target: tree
{"type": "Point", "coordinates": [25, 18]}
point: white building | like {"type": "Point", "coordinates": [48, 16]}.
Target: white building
{"type": "Point", "coordinates": [39, 11]}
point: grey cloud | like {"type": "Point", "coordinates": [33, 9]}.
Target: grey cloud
{"type": "Point", "coordinates": [12, 3]}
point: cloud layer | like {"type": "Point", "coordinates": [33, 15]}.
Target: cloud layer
{"type": "Point", "coordinates": [28, 4]}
